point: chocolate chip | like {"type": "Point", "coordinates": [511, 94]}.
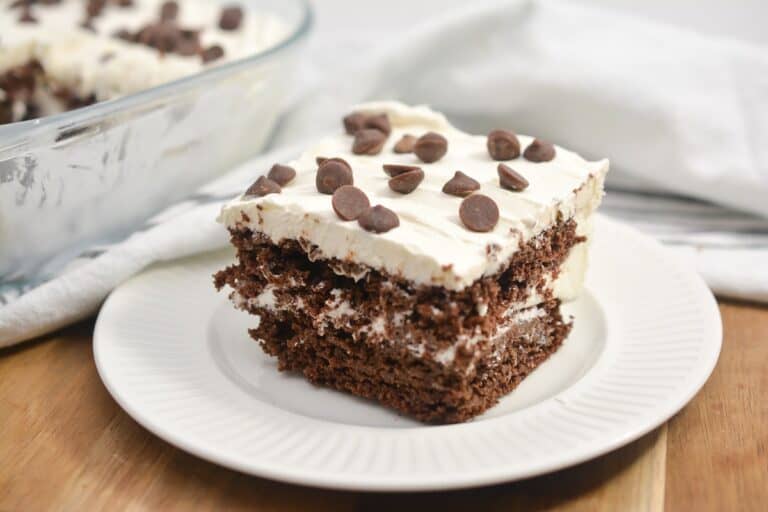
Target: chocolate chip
{"type": "Point", "coordinates": [378, 219]}
{"type": "Point", "coordinates": [124, 34]}
{"type": "Point", "coordinates": [125, 3]}
{"type": "Point", "coordinates": [94, 7]}
{"type": "Point", "coordinates": [145, 36]}
{"type": "Point", "coordinates": [263, 186]}
{"type": "Point", "coordinates": [405, 144]}
{"type": "Point", "coordinates": [321, 159]}
{"type": "Point", "coordinates": [395, 169]}
{"type": "Point", "coordinates": [349, 202]}
{"type": "Point", "coordinates": [212, 53]}
{"type": "Point", "coordinates": [187, 47]}
{"type": "Point", "coordinates": [539, 151]}
{"type": "Point", "coordinates": [26, 16]}
{"type": "Point", "coordinates": [106, 57]}
{"type": "Point", "coordinates": [503, 145]}
{"type": "Point", "coordinates": [511, 179]}
{"type": "Point", "coordinates": [88, 25]}
{"type": "Point", "coordinates": [169, 11]}
{"type": "Point", "coordinates": [479, 213]}
{"type": "Point", "coordinates": [167, 37]}
{"type": "Point", "coordinates": [406, 182]}
{"type": "Point", "coordinates": [354, 122]}
{"type": "Point", "coordinates": [378, 122]}
{"type": "Point", "coordinates": [460, 185]}
{"type": "Point", "coordinates": [368, 141]}
{"type": "Point", "coordinates": [161, 36]}
{"type": "Point", "coordinates": [281, 174]}
{"type": "Point", "coordinates": [332, 174]}
{"type": "Point", "coordinates": [231, 17]}
{"type": "Point", "coordinates": [189, 33]}
{"type": "Point", "coordinates": [430, 147]}
{"type": "Point", "coordinates": [357, 121]}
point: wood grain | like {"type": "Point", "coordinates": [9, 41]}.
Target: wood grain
{"type": "Point", "coordinates": [66, 445]}
{"type": "Point", "coordinates": [718, 445]}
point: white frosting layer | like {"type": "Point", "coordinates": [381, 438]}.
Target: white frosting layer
{"type": "Point", "coordinates": [77, 58]}
{"type": "Point", "coordinates": [431, 245]}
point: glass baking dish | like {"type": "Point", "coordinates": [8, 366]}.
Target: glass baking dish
{"type": "Point", "coordinates": [89, 176]}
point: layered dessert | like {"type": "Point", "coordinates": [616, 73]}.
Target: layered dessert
{"type": "Point", "coordinates": [408, 262]}
{"type": "Point", "coordinates": [57, 55]}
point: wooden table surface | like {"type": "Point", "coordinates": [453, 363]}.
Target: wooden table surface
{"type": "Point", "coordinates": [66, 445]}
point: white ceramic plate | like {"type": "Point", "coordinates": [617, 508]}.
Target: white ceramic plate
{"type": "Point", "coordinates": [177, 357]}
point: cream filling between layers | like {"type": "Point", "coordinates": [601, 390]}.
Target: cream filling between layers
{"type": "Point", "coordinates": [431, 246]}
{"type": "Point", "coordinates": [339, 314]}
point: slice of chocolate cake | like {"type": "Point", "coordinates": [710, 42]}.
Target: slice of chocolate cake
{"type": "Point", "coordinates": [411, 263]}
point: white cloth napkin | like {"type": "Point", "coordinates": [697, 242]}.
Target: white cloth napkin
{"type": "Point", "coordinates": [683, 116]}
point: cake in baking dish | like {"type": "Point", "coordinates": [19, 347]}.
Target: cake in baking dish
{"type": "Point", "coordinates": [58, 55]}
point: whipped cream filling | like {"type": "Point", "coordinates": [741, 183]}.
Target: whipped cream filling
{"type": "Point", "coordinates": [95, 62]}
{"type": "Point", "coordinates": [338, 313]}
{"type": "Point", "coordinates": [431, 246]}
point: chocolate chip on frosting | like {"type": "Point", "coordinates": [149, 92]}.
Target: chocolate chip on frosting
{"type": "Point", "coordinates": [88, 25]}
{"type": "Point", "coordinates": [406, 182]}
{"type": "Point", "coordinates": [93, 8]}
{"type": "Point", "coordinates": [353, 122]}
{"type": "Point", "coordinates": [357, 121]}
{"type": "Point", "coordinates": [27, 16]}
{"type": "Point", "coordinates": [332, 174]}
{"type": "Point", "coordinates": [378, 122]}
{"type": "Point", "coordinates": [395, 169]}
{"type": "Point", "coordinates": [188, 45]}
{"type": "Point", "coordinates": [503, 145]}
{"type": "Point", "coordinates": [368, 141]}
{"type": "Point", "coordinates": [281, 174]}
{"type": "Point", "coordinates": [479, 213]}
{"type": "Point", "coordinates": [349, 202]}
{"type": "Point", "coordinates": [231, 18]}
{"type": "Point", "coordinates": [511, 179]}
{"type": "Point", "coordinates": [378, 219]}
{"type": "Point", "coordinates": [263, 186]}
{"type": "Point", "coordinates": [460, 185]}
{"type": "Point", "coordinates": [539, 151]}
{"type": "Point", "coordinates": [165, 34]}
{"type": "Point", "coordinates": [321, 160]}
{"type": "Point", "coordinates": [405, 144]}
{"type": "Point", "coordinates": [212, 53]}
{"type": "Point", "coordinates": [169, 11]}
{"type": "Point", "coordinates": [161, 36]}
{"type": "Point", "coordinates": [124, 34]}
{"type": "Point", "coordinates": [430, 147]}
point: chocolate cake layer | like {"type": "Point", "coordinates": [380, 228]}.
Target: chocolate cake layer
{"type": "Point", "coordinates": [385, 370]}
{"type": "Point", "coordinates": [429, 316]}
{"type": "Point", "coordinates": [426, 351]}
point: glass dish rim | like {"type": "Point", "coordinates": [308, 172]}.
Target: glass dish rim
{"type": "Point", "coordinates": [12, 131]}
